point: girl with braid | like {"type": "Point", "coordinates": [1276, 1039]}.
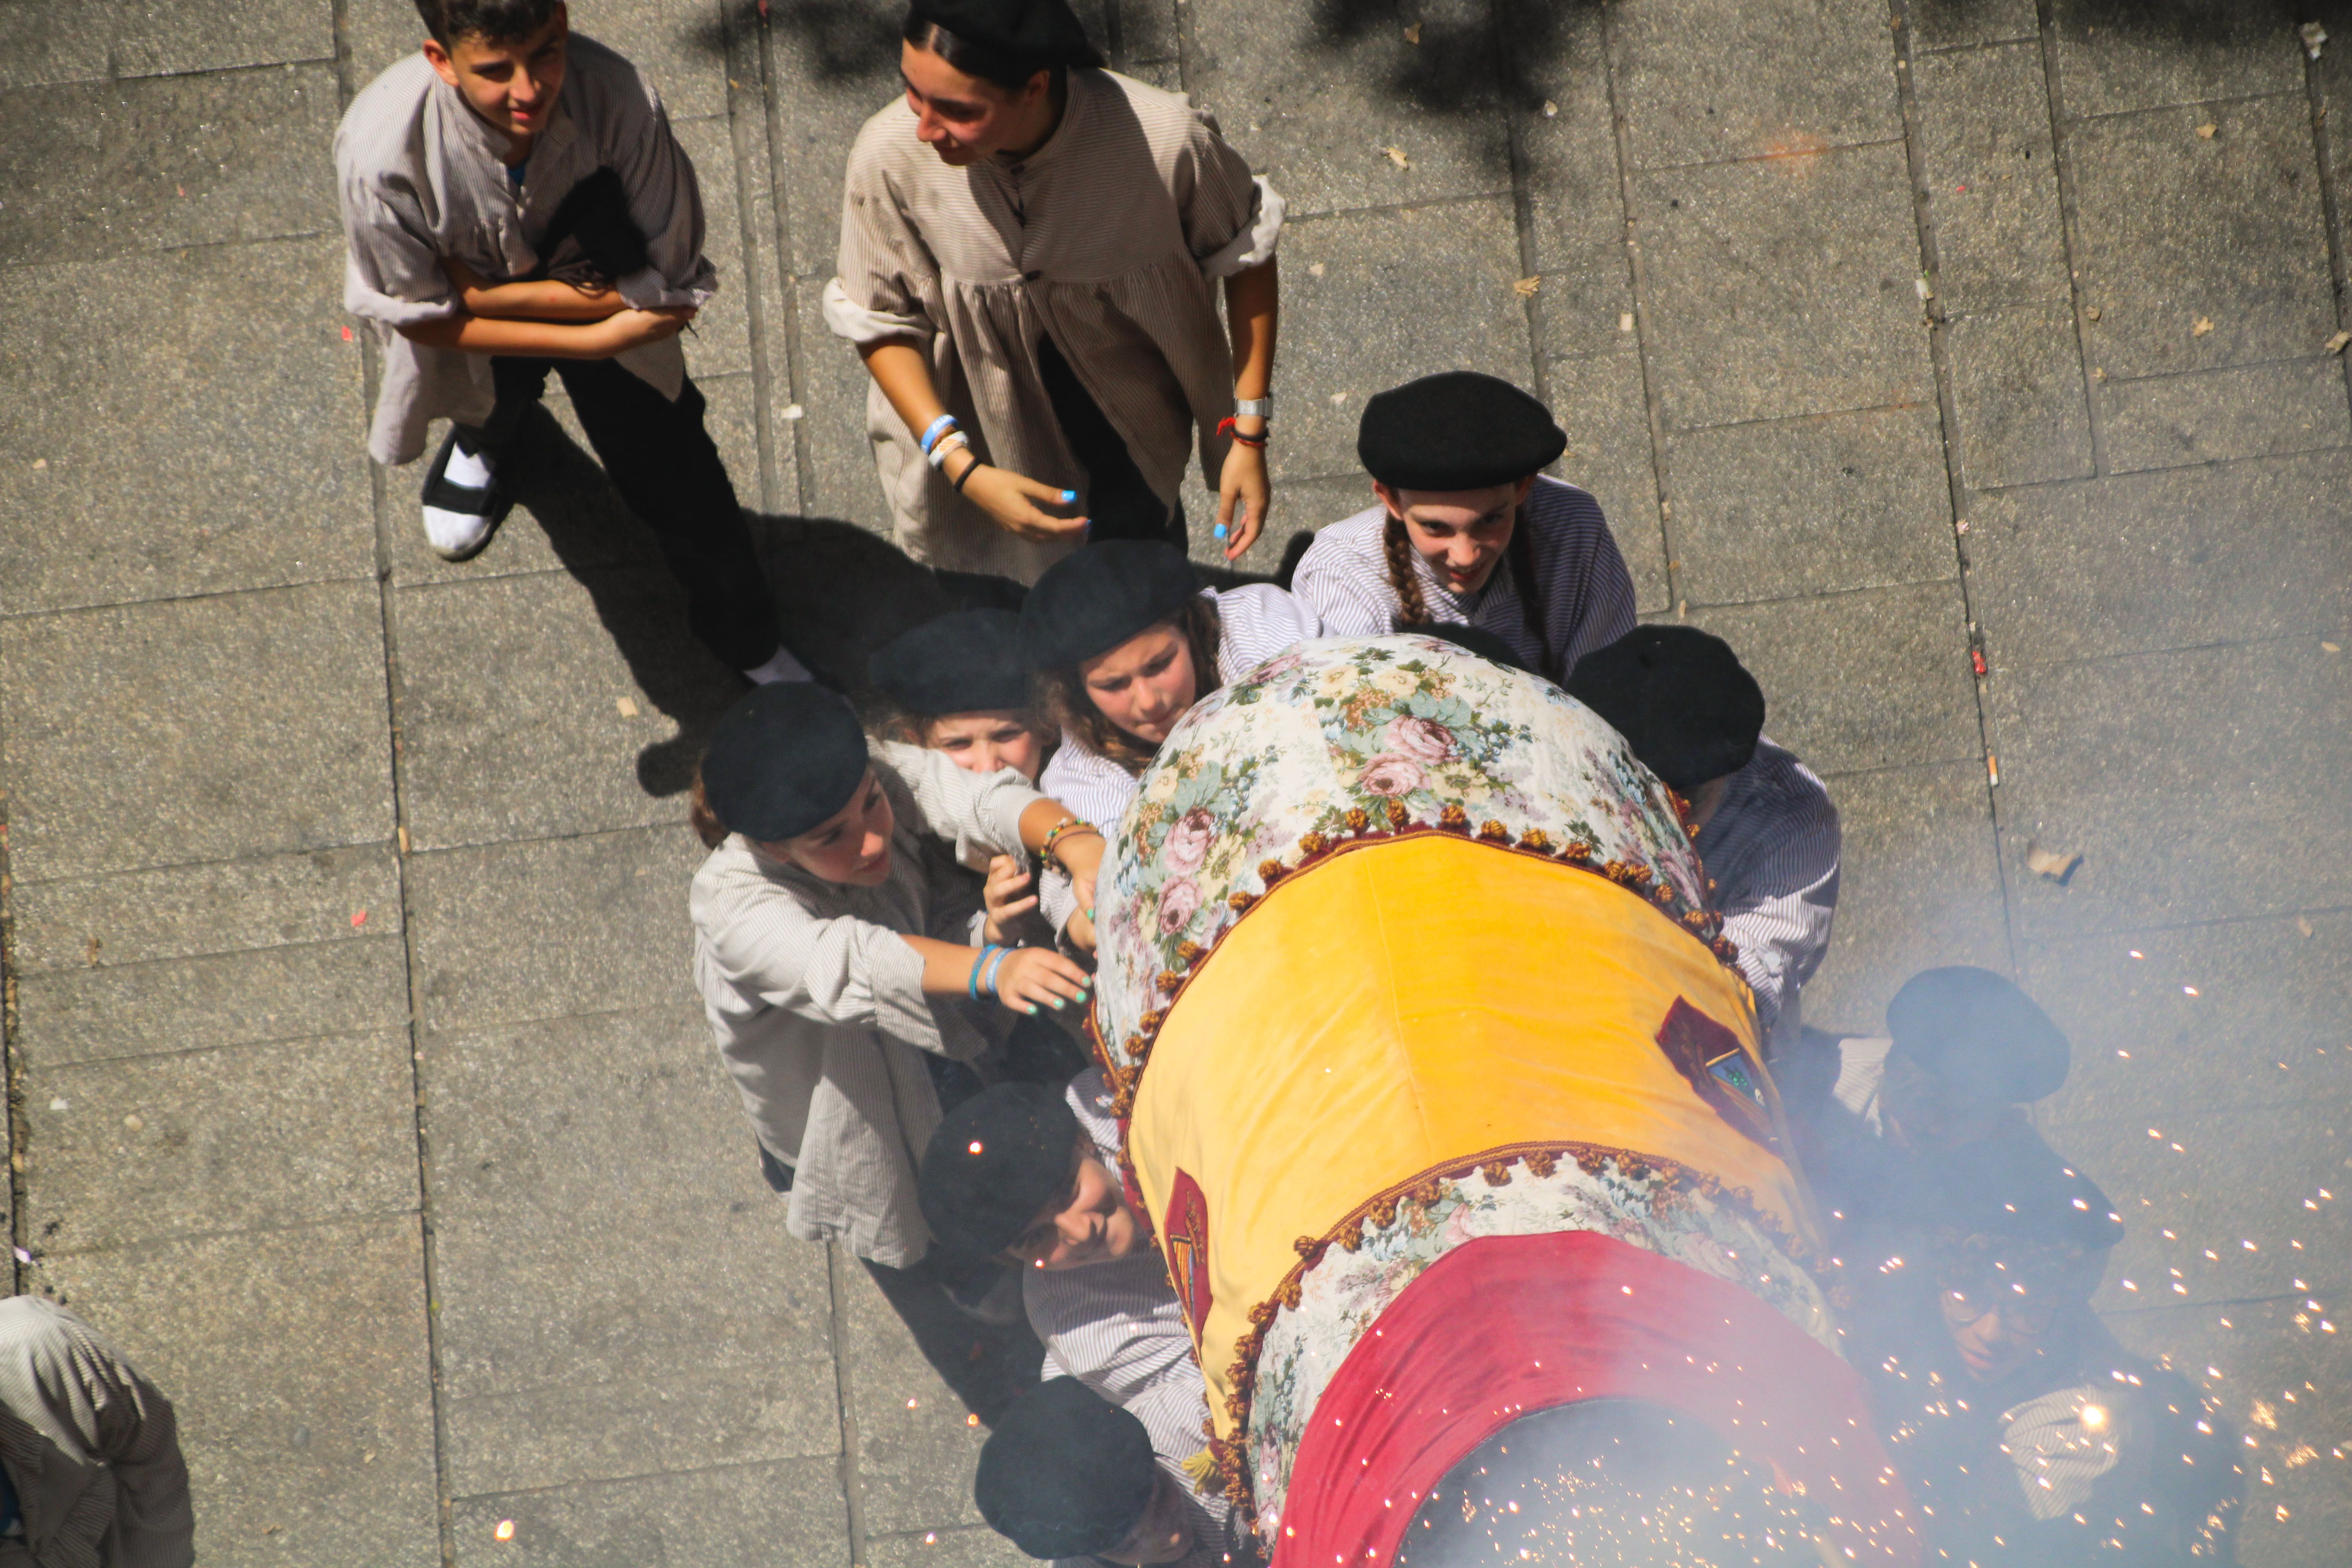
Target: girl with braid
{"type": "Point", "coordinates": [1469, 531]}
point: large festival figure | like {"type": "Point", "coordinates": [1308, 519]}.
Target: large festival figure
{"type": "Point", "coordinates": [1444, 1098]}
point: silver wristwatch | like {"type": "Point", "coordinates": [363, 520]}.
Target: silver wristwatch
{"type": "Point", "coordinates": [1253, 408]}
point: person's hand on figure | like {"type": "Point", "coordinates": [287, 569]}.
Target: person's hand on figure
{"type": "Point", "coordinates": [1028, 978]}
{"type": "Point", "coordinates": [1244, 494]}
{"type": "Point", "coordinates": [1007, 895]}
{"type": "Point", "coordinates": [1015, 502]}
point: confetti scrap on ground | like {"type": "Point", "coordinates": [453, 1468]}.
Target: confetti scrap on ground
{"type": "Point", "coordinates": [627, 706]}
{"type": "Point", "coordinates": [1551, 110]}
{"type": "Point", "coordinates": [1315, 271]}
{"type": "Point", "coordinates": [1396, 156]}
{"type": "Point", "coordinates": [794, 411]}
{"type": "Point", "coordinates": [1624, 321]}
{"type": "Point", "coordinates": [2204, 325]}
{"type": "Point", "coordinates": [2314, 37]}
{"type": "Point", "coordinates": [347, 334]}
{"type": "Point", "coordinates": [135, 1123]}
{"type": "Point", "coordinates": [1412, 33]}
{"type": "Point", "coordinates": [2205, 131]}
{"type": "Point", "coordinates": [2336, 344]}
{"type": "Point", "coordinates": [359, 919]}
{"type": "Point", "coordinates": [1526, 287]}
{"type": "Point", "coordinates": [2056, 864]}
{"type": "Point", "coordinates": [2092, 313]}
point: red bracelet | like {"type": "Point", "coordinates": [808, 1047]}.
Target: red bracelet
{"type": "Point", "coordinates": [1226, 427]}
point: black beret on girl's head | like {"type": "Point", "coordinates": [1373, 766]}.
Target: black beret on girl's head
{"type": "Point", "coordinates": [1978, 1031]}
{"type": "Point", "coordinates": [965, 662]}
{"type": "Point", "coordinates": [1679, 696]}
{"type": "Point", "coordinates": [1066, 1473]}
{"type": "Point", "coordinates": [783, 759]}
{"type": "Point", "coordinates": [994, 1163]}
{"type": "Point", "coordinates": [1045, 31]}
{"type": "Point", "coordinates": [1456, 431]}
{"type": "Point", "coordinates": [1093, 599]}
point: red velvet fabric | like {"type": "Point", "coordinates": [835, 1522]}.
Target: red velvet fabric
{"type": "Point", "coordinates": [1503, 1325]}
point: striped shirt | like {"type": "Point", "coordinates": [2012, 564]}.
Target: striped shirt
{"type": "Point", "coordinates": [1118, 1328]}
{"type": "Point", "coordinates": [1771, 847]}
{"type": "Point", "coordinates": [1108, 239]}
{"type": "Point", "coordinates": [1255, 622]}
{"type": "Point", "coordinates": [91, 1448]}
{"type": "Point", "coordinates": [1588, 597]}
{"type": "Point", "coordinates": [816, 1002]}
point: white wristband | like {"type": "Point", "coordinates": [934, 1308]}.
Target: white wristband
{"type": "Point", "coordinates": [946, 444]}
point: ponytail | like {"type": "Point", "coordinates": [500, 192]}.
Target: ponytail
{"type": "Point", "coordinates": [1413, 609]}
{"type": "Point", "coordinates": [700, 818]}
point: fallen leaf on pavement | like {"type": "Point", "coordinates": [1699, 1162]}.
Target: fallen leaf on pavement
{"type": "Point", "coordinates": [2336, 344]}
{"type": "Point", "coordinates": [2304, 926]}
{"type": "Point", "coordinates": [627, 705]}
{"type": "Point", "coordinates": [2204, 325]}
{"type": "Point", "coordinates": [1396, 156]}
{"type": "Point", "coordinates": [2332, 648]}
{"type": "Point", "coordinates": [2093, 312]}
{"type": "Point", "coordinates": [2053, 864]}
{"type": "Point", "coordinates": [2205, 131]}
{"type": "Point", "coordinates": [2313, 35]}
{"type": "Point", "coordinates": [1315, 271]}
{"type": "Point", "coordinates": [1526, 287]}
{"type": "Point", "coordinates": [1412, 33]}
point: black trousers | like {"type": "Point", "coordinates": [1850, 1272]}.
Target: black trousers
{"type": "Point", "coordinates": [662, 460]}
{"type": "Point", "coordinates": [1119, 504]}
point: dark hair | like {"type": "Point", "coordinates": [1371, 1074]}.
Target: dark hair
{"type": "Point", "coordinates": [1062, 693]}
{"type": "Point", "coordinates": [494, 21]}
{"type": "Point", "coordinates": [1396, 545]}
{"type": "Point", "coordinates": [700, 818]}
{"type": "Point", "coordinates": [1001, 68]}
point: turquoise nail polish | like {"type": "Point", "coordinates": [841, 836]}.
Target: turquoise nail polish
{"type": "Point", "coordinates": [1069, 495]}
{"type": "Point", "coordinates": [1058, 1004]}
{"type": "Point", "coordinates": [1032, 1009]}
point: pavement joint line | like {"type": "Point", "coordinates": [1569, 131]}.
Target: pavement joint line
{"type": "Point", "coordinates": [2167, 652]}
{"type": "Point", "coordinates": [135, 964]}
{"type": "Point", "coordinates": [1948, 420]}
{"type": "Point", "coordinates": [78, 1064]}
{"type": "Point", "coordinates": [1901, 406]}
{"type": "Point", "coordinates": [2105, 933]}
{"type": "Point", "coordinates": [2331, 206]}
{"type": "Point", "coordinates": [853, 1490]}
{"type": "Point", "coordinates": [251, 858]}
{"type": "Point", "coordinates": [2218, 462]}
{"type": "Point", "coordinates": [1638, 295]}
{"type": "Point", "coordinates": [2094, 481]}
{"type": "Point", "coordinates": [2320, 357]}
{"type": "Point", "coordinates": [1924, 765]}
{"type": "Point", "coordinates": [587, 1482]}
{"type": "Point", "coordinates": [116, 78]}
{"type": "Point", "coordinates": [106, 606]}
{"type": "Point", "coordinates": [1523, 214]}
{"type": "Point", "coordinates": [2228, 103]}
{"type": "Point", "coordinates": [1974, 45]}
{"type": "Point", "coordinates": [85, 263]}
{"type": "Point", "coordinates": [788, 282]}
{"type": "Point", "coordinates": [740, 128]}
{"type": "Point", "coordinates": [185, 1238]}
{"type": "Point", "coordinates": [1896, 586]}
{"type": "Point", "coordinates": [1824, 151]}
{"type": "Point", "coordinates": [1457, 199]}
{"type": "Point", "coordinates": [417, 849]}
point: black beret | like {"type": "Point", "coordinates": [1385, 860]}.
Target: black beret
{"type": "Point", "coordinates": [961, 663]}
{"type": "Point", "coordinates": [1979, 1033]}
{"type": "Point", "coordinates": [1489, 646]}
{"type": "Point", "coordinates": [996, 1160]}
{"type": "Point", "coordinates": [1066, 1473]}
{"type": "Point", "coordinates": [1456, 431]}
{"type": "Point", "coordinates": [1093, 599]}
{"type": "Point", "coordinates": [784, 758]}
{"type": "Point", "coordinates": [1680, 699]}
{"type": "Point", "coordinates": [1043, 30]}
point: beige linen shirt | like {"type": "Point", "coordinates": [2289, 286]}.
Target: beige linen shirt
{"type": "Point", "coordinates": [419, 175]}
{"type": "Point", "coordinates": [91, 1448]}
{"type": "Point", "coordinates": [1108, 240]}
{"type": "Point", "coordinates": [817, 1006]}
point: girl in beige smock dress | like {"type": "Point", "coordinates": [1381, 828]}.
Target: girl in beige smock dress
{"type": "Point", "coordinates": [1091, 251]}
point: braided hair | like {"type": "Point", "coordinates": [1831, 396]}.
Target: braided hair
{"type": "Point", "coordinates": [1398, 547]}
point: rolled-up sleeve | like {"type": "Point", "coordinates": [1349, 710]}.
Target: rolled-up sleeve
{"type": "Point", "coordinates": [979, 813]}
{"type": "Point", "coordinates": [828, 969]}
{"type": "Point", "coordinates": [392, 273]}
{"type": "Point", "coordinates": [665, 203]}
{"type": "Point", "coordinates": [1232, 219]}
{"type": "Point", "coordinates": [877, 293]}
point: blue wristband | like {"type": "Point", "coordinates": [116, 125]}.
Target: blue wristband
{"type": "Point", "coordinates": [940, 426]}
{"type": "Point", "coordinates": [990, 979]}
{"type": "Point", "coordinates": [972, 987]}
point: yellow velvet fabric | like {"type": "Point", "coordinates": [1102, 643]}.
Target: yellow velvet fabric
{"type": "Point", "coordinates": [1405, 1005]}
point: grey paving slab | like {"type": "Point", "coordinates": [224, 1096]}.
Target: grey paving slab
{"type": "Point", "coordinates": [1789, 507]}
{"type": "Point", "coordinates": [1992, 184]}
{"type": "Point", "coordinates": [45, 43]}
{"type": "Point", "coordinates": [2263, 1031]}
{"type": "Point", "coordinates": [915, 1443]}
{"type": "Point", "coordinates": [197, 1142]}
{"type": "Point", "coordinates": [1599, 402]}
{"type": "Point", "coordinates": [166, 37]}
{"type": "Point", "coordinates": [135, 733]}
{"type": "Point", "coordinates": [2207, 416]}
{"type": "Point", "coordinates": [1575, 200]}
{"type": "Point", "coordinates": [741, 1516]}
{"type": "Point", "coordinates": [1956, 24]}
{"type": "Point", "coordinates": [1704, 81]}
{"type": "Point", "coordinates": [193, 912]}
{"type": "Point", "coordinates": [130, 471]}
{"type": "Point", "coordinates": [837, 460]}
{"type": "Point", "coordinates": [720, 342]}
{"type": "Point", "coordinates": [1782, 286]}
{"type": "Point", "coordinates": [2017, 385]}
{"type": "Point", "coordinates": [1919, 887]}
{"type": "Point", "coordinates": [2276, 1376]}
{"type": "Point", "coordinates": [378, 34]}
{"type": "Point", "coordinates": [2229, 554]}
{"type": "Point", "coordinates": [834, 66]}
{"type": "Point", "coordinates": [1875, 679]}
{"type": "Point", "coordinates": [550, 928]}
{"type": "Point", "coordinates": [2116, 57]}
{"type": "Point", "coordinates": [2182, 780]}
{"type": "Point", "coordinates": [1148, 32]}
{"type": "Point", "coordinates": [296, 1360]}
{"type": "Point", "coordinates": [97, 170]}
{"type": "Point", "coordinates": [973, 1546]}
{"type": "Point", "coordinates": [618, 1295]}
{"type": "Point", "coordinates": [1316, 97]}
{"type": "Point", "coordinates": [294, 992]}
{"type": "Point", "coordinates": [526, 703]}
{"type": "Point", "coordinates": [2158, 1188]}
{"type": "Point", "coordinates": [2177, 228]}
{"type": "Point", "coordinates": [1400, 294]}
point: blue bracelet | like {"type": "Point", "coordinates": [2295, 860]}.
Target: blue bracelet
{"type": "Point", "coordinates": [940, 426]}
{"type": "Point", "coordinates": [990, 979]}
{"type": "Point", "coordinates": [972, 987]}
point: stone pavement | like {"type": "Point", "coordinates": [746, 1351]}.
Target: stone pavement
{"type": "Point", "coordinates": [355, 1080]}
